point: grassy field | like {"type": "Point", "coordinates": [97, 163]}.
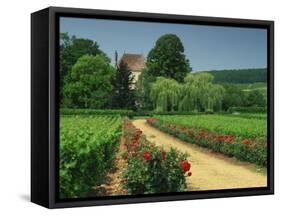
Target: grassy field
{"type": "Point", "coordinates": [247, 87]}
{"type": "Point", "coordinates": [225, 124]}
{"type": "Point", "coordinates": [262, 116]}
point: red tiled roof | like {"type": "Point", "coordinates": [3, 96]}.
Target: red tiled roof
{"type": "Point", "coordinates": [134, 61]}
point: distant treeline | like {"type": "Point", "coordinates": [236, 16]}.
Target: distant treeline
{"type": "Point", "coordinates": [239, 75]}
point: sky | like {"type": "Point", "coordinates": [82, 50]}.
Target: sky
{"type": "Point", "coordinates": [207, 47]}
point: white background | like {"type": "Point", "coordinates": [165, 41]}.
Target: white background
{"type": "Point", "coordinates": [15, 106]}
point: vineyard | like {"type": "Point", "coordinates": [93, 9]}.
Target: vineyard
{"type": "Point", "coordinates": [91, 146]}
{"type": "Point", "coordinates": [242, 127]}
{"type": "Point", "coordinates": [87, 150]}
{"type": "Point", "coordinates": [88, 147]}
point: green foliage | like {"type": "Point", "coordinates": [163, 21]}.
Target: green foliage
{"type": "Point", "coordinates": [262, 116]}
{"type": "Point", "coordinates": [252, 86]}
{"type": "Point", "coordinates": [244, 95]}
{"type": "Point", "coordinates": [123, 93]}
{"type": "Point", "coordinates": [253, 149]}
{"type": "Point", "coordinates": [247, 109]}
{"type": "Point", "coordinates": [87, 149]}
{"type": "Point", "coordinates": [155, 175]}
{"type": "Point", "coordinates": [200, 94]}
{"type": "Point", "coordinates": [239, 75]}
{"type": "Point", "coordinates": [143, 88]}
{"type": "Point", "coordinates": [90, 112]}
{"type": "Point", "coordinates": [167, 58]}
{"type": "Point", "coordinates": [88, 84]}
{"type": "Point", "coordinates": [176, 113]}
{"type": "Point", "coordinates": [255, 98]}
{"type": "Point", "coordinates": [71, 49]}
{"type": "Point", "coordinates": [165, 93]}
{"type": "Point", "coordinates": [150, 169]}
{"type": "Point", "coordinates": [233, 97]}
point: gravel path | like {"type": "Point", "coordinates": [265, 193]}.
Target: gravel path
{"type": "Point", "coordinates": [210, 170]}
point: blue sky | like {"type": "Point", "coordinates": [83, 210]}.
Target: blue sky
{"type": "Point", "coordinates": [207, 47]}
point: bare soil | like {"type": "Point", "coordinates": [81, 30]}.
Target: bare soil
{"type": "Point", "coordinates": [210, 171]}
{"type": "Point", "coordinates": [112, 185]}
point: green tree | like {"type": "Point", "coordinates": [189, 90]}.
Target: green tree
{"type": "Point", "coordinates": [239, 75]}
{"type": "Point", "coordinates": [255, 98]}
{"type": "Point", "coordinates": [167, 58]}
{"type": "Point", "coordinates": [165, 94]}
{"type": "Point", "coordinates": [88, 85]}
{"type": "Point", "coordinates": [123, 93]}
{"type": "Point", "coordinates": [233, 97]}
{"type": "Point", "coordinates": [143, 86]}
{"type": "Point", "coordinates": [72, 48]}
{"type": "Point", "coordinates": [198, 93]}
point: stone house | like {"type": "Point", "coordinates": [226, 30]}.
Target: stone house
{"type": "Point", "coordinates": [135, 63]}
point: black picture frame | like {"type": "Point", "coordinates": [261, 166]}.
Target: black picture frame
{"type": "Point", "coordinates": [45, 111]}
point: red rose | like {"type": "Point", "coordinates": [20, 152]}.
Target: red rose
{"type": "Point", "coordinates": [246, 141]}
{"type": "Point", "coordinates": [146, 156]}
{"type": "Point", "coordinates": [189, 173]}
{"type": "Point", "coordinates": [185, 165]}
{"type": "Point", "coordinates": [136, 143]}
{"type": "Point", "coordinates": [132, 147]}
{"type": "Point", "coordinates": [163, 155]}
{"type": "Point", "coordinates": [201, 134]}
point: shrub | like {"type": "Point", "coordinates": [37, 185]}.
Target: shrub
{"type": "Point", "coordinates": [223, 124]}
{"type": "Point", "coordinates": [143, 113]}
{"type": "Point", "coordinates": [66, 111]}
{"type": "Point", "coordinates": [150, 169]}
{"type": "Point", "coordinates": [252, 149]}
{"type": "Point", "coordinates": [248, 109]}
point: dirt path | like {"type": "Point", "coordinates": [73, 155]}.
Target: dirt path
{"type": "Point", "coordinates": [113, 181]}
{"type": "Point", "coordinates": [209, 170]}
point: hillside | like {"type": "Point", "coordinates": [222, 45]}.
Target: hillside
{"type": "Point", "coordinates": [239, 75]}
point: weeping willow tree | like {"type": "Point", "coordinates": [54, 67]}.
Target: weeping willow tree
{"type": "Point", "coordinates": [198, 93]}
{"type": "Point", "coordinates": [165, 94]}
{"type": "Point", "coordinates": [215, 97]}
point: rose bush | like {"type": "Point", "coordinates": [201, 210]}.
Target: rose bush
{"type": "Point", "coordinates": [151, 169]}
{"type": "Point", "coordinates": [252, 149]}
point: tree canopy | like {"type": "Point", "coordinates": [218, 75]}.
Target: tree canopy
{"type": "Point", "coordinates": [88, 80]}
{"type": "Point", "coordinates": [71, 49]}
{"type": "Point", "coordinates": [123, 92]}
{"type": "Point", "coordinates": [165, 94]}
{"type": "Point", "coordinates": [239, 75]}
{"type": "Point", "coordinates": [197, 93]}
{"type": "Point", "coordinates": [88, 84]}
{"type": "Point", "coordinates": [143, 86]}
{"type": "Point", "coordinates": [233, 97]}
{"type": "Point", "coordinates": [167, 58]}
{"type": "Point", "coordinates": [200, 94]}
{"type": "Point", "coordinates": [255, 99]}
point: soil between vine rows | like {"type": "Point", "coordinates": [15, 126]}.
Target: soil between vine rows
{"type": "Point", "coordinates": [210, 171]}
{"type": "Point", "coordinates": [113, 180]}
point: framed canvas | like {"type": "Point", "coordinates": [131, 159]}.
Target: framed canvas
{"type": "Point", "coordinates": [138, 107]}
